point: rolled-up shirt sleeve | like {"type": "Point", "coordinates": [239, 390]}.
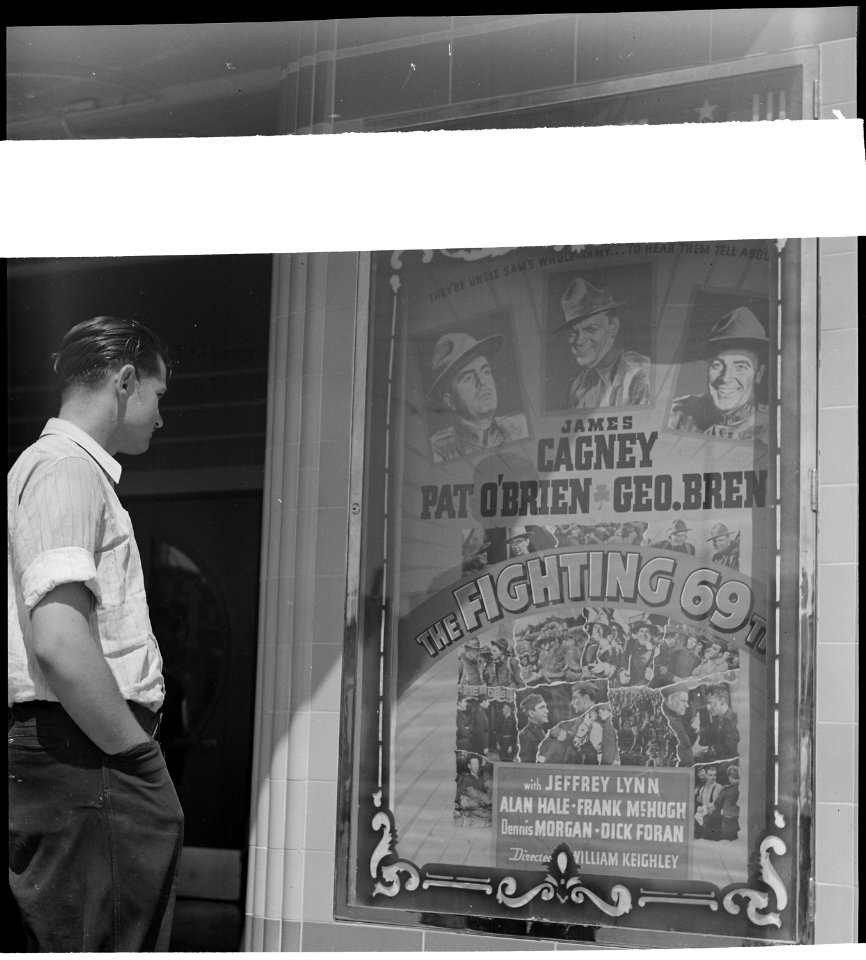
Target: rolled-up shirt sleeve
{"type": "Point", "coordinates": [56, 531]}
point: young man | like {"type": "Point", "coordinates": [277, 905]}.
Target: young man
{"type": "Point", "coordinates": [95, 827]}
{"type": "Point", "coordinates": [607, 375]}
{"type": "Point", "coordinates": [736, 357]}
{"type": "Point", "coordinates": [529, 737]}
{"type": "Point", "coordinates": [464, 385]}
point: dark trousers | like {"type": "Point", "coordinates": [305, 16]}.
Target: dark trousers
{"type": "Point", "coordinates": [94, 840]}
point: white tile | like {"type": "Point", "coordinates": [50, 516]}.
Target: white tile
{"type": "Point", "coordinates": [260, 883]}
{"type": "Point", "coordinates": [834, 762]}
{"type": "Point", "coordinates": [324, 746]}
{"type": "Point", "coordinates": [836, 683]}
{"type": "Point", "coordinates": [838, 70]}
{"type": "Point", "coordinates": [838, 300]}
{"type": "Point", "coordinates": [837, 445]}
{"type": "Point", "coordinates": [296, 745]}
{"type": "Point", "coordinates": [836, 842]}
{"type": "Point", "coordinates": [321, 820]}
{"type": "Point", "coordinates": [319, 886]}
{"type": "Point", "coordinates": [326, 676]}
{"type": "Point", "coordinates": [293, 885]}
{"type": "Point", "coordinates": [837, 523]}
{"type": "Point", "coordinates": [277, 814]}
{"type": "Point", "coordinates": [274, 881]}
{"type": "Point", "coordinates": [834, 913]}
{"type": "Point", "coordinates": [296, 813]}
{"type": "Point", "coordinates": [837, 373]}
{"type": "Point", "coordinates": [837, 603]}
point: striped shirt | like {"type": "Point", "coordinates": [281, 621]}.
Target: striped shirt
{"type": "Point", "coordinates": [66, 525]}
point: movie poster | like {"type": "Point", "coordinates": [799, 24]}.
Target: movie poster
{"type": "Point", "coordinates": [565, 708]}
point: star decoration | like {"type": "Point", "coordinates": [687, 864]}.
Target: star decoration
{"type": "Point", "coordinates": [705, 110]}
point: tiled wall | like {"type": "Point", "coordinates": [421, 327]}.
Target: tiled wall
{"type": "Point", "coordinates": [291, 861]}
{"type": "Point", "coordinates": [838, 649]}
{"type": "Point", "coordinates": [837, 671]}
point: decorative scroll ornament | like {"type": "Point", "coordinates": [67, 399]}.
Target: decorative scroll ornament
{"type": "Point", "coordinates": [388, 876]}
{"type": "Point", "coordinates": [564, 883]}
{"type": "Point", "coordinates": [758, 899]}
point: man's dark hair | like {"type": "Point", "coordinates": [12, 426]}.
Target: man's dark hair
{"type": "Point", "coordinates": [92, 350]}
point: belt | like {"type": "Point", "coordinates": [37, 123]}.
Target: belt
{"type": "Point", "coordinates": [148, 720]}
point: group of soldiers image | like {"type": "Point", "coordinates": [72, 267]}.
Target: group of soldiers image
{"type": "Point", "coordinates": [661, 697]}
{"type": "Point", "coordinates": [594, 646]}
{"type": "Point", "coordinates": [597, 688]}
{"type": "Point", "coordinates": [463, 389]}
{"type": "Point", "coordinates": [483, 548]}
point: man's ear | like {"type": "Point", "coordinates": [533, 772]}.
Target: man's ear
{"type": "Point", "coordinates": [759, 376]}
{"type": "Point", "coordinates": [448, 400]}
{"type": "Point", "coordinates": [124, 379]}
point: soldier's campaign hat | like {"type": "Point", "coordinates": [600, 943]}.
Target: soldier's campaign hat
{"type": "Point", "coordinates": [541, 538]}
{"type": "Point", "coordinates": [517, 533]}
{"type": "Point", "coordinates": [719, 530]}
{"type": "Point", "coordinates": [679, 526]}
{"type": "Point", "coordinates": [737, 329]}
{"type": "Point", "coordinates": [501, 643]}
{"type": "Point", "coordinates": [452, 351]}
{"type": "Point", "coordinates": [653, 629]}
{"type": "Point", "coordinates": [473, 643]}
{"type": "Point", "coordinates": [583, 299]}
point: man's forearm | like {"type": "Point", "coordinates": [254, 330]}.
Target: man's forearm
{"type": "Point", "coordinates": [73, 664]}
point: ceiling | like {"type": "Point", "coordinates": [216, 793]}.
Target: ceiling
{"type": "Point", "coordinates": [145, 80]}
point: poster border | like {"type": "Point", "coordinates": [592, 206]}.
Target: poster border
{"type": "Point", "coordinates": [394, 876]}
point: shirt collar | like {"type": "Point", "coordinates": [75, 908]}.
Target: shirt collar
{"type": "Point", "coordinates": [64, 428]}
{"type": "Point", "coordinates": [740, 416]}
{"type": "Point", "coordinates": [605, 366]}
{"type": "Point", "coordinates": [466, 430]}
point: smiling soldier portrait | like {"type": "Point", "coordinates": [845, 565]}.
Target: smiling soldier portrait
{"type": "Point", "coordinates": [736, 357]}
{"type": "Point", "coordinates": [607, 375]}
{"type": "Point", "coordinates": [464, 386]}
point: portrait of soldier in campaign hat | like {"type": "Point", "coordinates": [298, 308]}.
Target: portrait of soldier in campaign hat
{"type": "Point", "coordinates": [464, 388]}
{"type": "Point", "coordinates": [607, 374]}
{"type": "Point", "coordinates": [676, 538]}
{"type": "Point", "coordinates": [736, 354]}
{"type": "Point", "coordinates": [726, 545]}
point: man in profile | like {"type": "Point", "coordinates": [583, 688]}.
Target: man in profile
{"type": "Point", "coordinates": [736, 356]}
{"type": "Point", "coordinates": [464, 385]}
{"type": "Point", "coordinates": [534, 708]}
{"type": "Point", "coordinates": [95, 827]}
{"type": "Point", "coordinates": [607, 375]}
